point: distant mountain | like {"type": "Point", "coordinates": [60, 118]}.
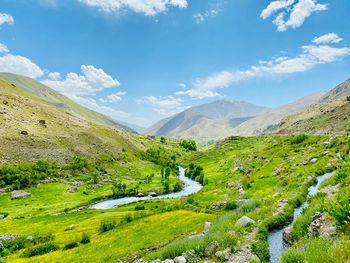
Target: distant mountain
{"type": "Point", "coordinates": [331, 115]}
{"type": "Point", "coordinates": [269, 120]}
{"type": "Point", "coordinates": [56, 99]}
{"type": "Point", "coordinates": [134, 127]}
{"type": "Point", "coordinates": [214, 120]}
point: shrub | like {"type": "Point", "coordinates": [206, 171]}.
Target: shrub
{"type": "Point", "coordinates": [107, 226]}
{"type": "Point", "coordinates": [128, 218]}
{"type": "Point", "coordinates": [293, 256]}
{"type": "Point", "coordinates": [139, 207]}
{"type": "Point", "coordinates": [71, 245]}
{"type": "Point", "coordinates": [188, 145]}
{"type": "Point", "coordinates": [261, 249]}
{"type": "Point", "coordinates": [298, 139]}
{"type": "Point", "coordinates": [40, 250]}
{"type": "Point", "coordinates": [251, 205]}
{"type": "Point", "coordinates": [178, 187]}
{"type": "Point", "coordinates": [85, 239]}
{"type": "Point", "coordinates": [231, 205]}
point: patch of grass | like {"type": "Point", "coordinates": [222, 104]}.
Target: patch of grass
{"type": "Point", "coordinates": [40, 250]}
{"type": "Point", "coordinates": [108, 226]}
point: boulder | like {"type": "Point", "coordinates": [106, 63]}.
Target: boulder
{"type": "Point", "coordinates": [223, 255]}
{"type": "Point", "coordinates": [2, 216]}
{"type": "Point", "coordinates": [43, 123]}
{"type": "Point", "coordinates": [19, 194]}
{"type": "Point", "coordinates": [245, 255]}
{"type": "Point", "coordinates": [180, 259]}
{"type": "Point", "coordinates": [244, 220]}
{"type": "Point", "coordinates": [322, 225]}
{"type": "Point", "coordinates": [24, 133]}
{"type": "Point", "coordinates": [72, 189]}
{"type": "Point", "coordinates": [287, 236]}
{"type": "Point", "coordinates": [9, 237]}
{"type": "Point", "coordinates": [168, 261]}
{"type": "Point", "coordinates": [211, 249]}
{"type": "Point", "coordinates": [207, 226]}
{"type": "Point", "coordinates": [313, 160]}
{"type": "Point", "coordinates": [218, 205]}
{"type": "Point", "coordinates": [140, 195]}
{"type": "Point", "coordinates": [153, 194]}
{"type": "Point", "coordinates": [30, 238]}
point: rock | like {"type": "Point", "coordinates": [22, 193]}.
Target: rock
{"type": "Point", "coordinates": [140, 195]}
{"type": "Point", "coordinates": [218, 205]}
{"type": "Point", "coordinates": [30, 238]}
{"type": "Point", "coordinates": [223, 255]}
{"type": "Point", "coordinates": [322, 225]}
{"type": "Point", "coordinates": [153, 194]}
{"type": "Point", "coordinates": [180, 259]}
{"type": "Point", "coordinates": [211, 249]}
{"type": "Point", "coordinates": [72, 189]}
{"type": "Point", "coordinates": [9, 237]}
{"type": "Point", "coordinates": [168, 261]}
{"type": "Point", "coordinates": [313, 160]}
{"type": "Point", "coordinates": [287, 236]}
{"type": "Point", "coordinates": [243, 256]}
{"type": "Point", "coordinates": [230, 185]}
{"type": "Point", "coordinates": [43, 123]}
{"type": "Point", "coordinates": [244, 220]}
{"type": "Point", "coordinates": [330, 190]}
{"type": "Point", "coordinates": [24, 132]}
{"type": "Point", "coordinates": [2, 216]}
{"type": "Point", "coordinates": [1, 246]}
{"type": "Point", "coordinates": [19, 194]}
{"type": "Point", "coordinates": [71, 227]}
{"type": "Point", "coordinates": [207, 226]}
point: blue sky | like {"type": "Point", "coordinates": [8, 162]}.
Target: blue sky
{"type": "Point", "coordinates": [140, 61]}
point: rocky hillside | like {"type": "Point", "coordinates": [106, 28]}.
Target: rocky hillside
{"type": "Point", "coordinates": [330, 115]}
{"type": "Point", "coordinates": [38, 123]}
{"type": "Point", "coordinates": [208, 121]}
{"type": "Point", "coordinates": [268, 121]}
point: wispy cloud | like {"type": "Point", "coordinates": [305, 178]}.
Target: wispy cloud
{"type": "Point", "coordinates": [310, 56]}
{"type": "Point", "coordinates": [4, 48]}
{"type": "Point", "coordinates": [200, 17]}
{"type": "Point", "coordinates": [147, 7]}
{"type": "Point", "coordinates": [328, 38]}
{"type": "Point", "coordinates": [291, 13]}
{"type": "Point", "coordinates": [166, 106]}
{"type": "Point", "coordinates": [114, 97]}
{"type": "Point", "coordinates": [6, 19]}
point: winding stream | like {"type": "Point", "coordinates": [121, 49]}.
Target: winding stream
{"type": "Point", "coordinates": [189, 187]}
{"type": "Point", "coordinates": [275, 238]}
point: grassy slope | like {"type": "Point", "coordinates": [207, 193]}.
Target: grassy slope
{"type": "Point", "coordinates": [58, 100]}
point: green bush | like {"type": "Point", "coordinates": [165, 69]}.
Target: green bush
{"type": "Point", "coordinates": [107, 226]}
{"type": "Point", "coordinates": [71, 245]}
{"type": "Point", "coordinates": [188, 145]}
{"type": "Point", "coordinates": [251, 205]}
{"type": "Point", "coordinates": [261, 249]}
{"type": "Point", "coordinates": [296, 139]}
{"type": "Point", "coordinates": [139, 207]}
{"type": "Point", "coordinates": [178, 187]}
{"type": "Point", "coordinates": [293, 256]}
{"type": "Point", "coordinates": [231, 205]}
{"type": "Point", "coordinates": [40, 250]}
{"type": "Point", "coordinates": [85, 239]}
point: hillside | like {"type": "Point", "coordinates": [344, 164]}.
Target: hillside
{"type": "Point", "coordinates": [269, 120]}
{"type": "Point", "coordinates": [208, 121]}
{"type": "Point", "coordinates": [329, 116]}
{"type": "Point", "coordinates": [58, 100]}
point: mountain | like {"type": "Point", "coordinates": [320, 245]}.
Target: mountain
{"type": "Point", "coordinates": [329, 116]}
{"type": "Point", "coordinates": [56, 99]}
{"type": "Point", "coordinates": [38, 123]}
{"type": "Point", "coordinates": [134, 127]}
{"type": "Point", "coordinates": [214, 120]}
{"type": "Point", "coordinates": [268, 121]}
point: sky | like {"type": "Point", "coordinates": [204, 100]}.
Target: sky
{"type": "Point", "coordinates": [139, 61]}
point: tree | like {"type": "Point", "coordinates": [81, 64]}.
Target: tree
{"type": "Point", "coordinates": [188, 145]}
{"type": "Point", "coordinates": [162, 140]}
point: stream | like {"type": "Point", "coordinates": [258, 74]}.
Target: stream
{"type": "Point", "coordinates": [275, 238]}
{"type": "Point", "coordinates": [189, 187]}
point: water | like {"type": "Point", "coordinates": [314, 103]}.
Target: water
{"type": "Point", "coordinates": [275, 238]}
{"type": "Point", "coordinates": [190, 187]}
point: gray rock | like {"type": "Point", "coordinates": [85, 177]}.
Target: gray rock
{"type": "Point", "coordinates": [244, 220]}
{"type": "Point", "coordinates": [218, 205]}
{"type": "Point", "coordinates": [6, 237]}
{"type": "Point", "coordinates": [19, 194]}
{"type": "Point", "coordinates": [153, 194]}
{"type": "Point", "coordinates": [223, 255]}
{"type": "Point", "coordinates": [140, 195]}
{"type": "Point", "coordinates": [313, 160]}
{"type": "Point", "coordinates": [168, 261]}
{"type": "Point", "coordinates": [243, 256]}
{"type": "Point", "coordinates": [287, 236]}
{"type": "Point", "coordinates": [30, 238]}
{"type": "Point", "coordinates": [2, 216]}
{"type": "Point", "coordinates": [323, 226]}
{"type": "Point", "coordinates": [207, 226]}
{"type": "Point", "coordinates": [180, 259]}
{"type": "Point", "coordinates": [72, 189]}
{"type": "Point", "coordinates": [211, 249]}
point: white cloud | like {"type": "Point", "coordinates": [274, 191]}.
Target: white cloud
{"type": "Point", "coordinates": [114, 97]}
{"type": "Point", "coordinates": [147, 7]}
{"type": "Point", "coordinates": [54, 75]}
{"type": "Point", "coordinates": [200, 18]}
{"type": "Point", "coordinates": [6, 19]}
{"type": "Point", "coordinates": [311, 56]}
{"type": "Point", "coordinates": [297, 11]}
{"type": "Point", "coordinates": [167, 106]}
{"type": "Point", "coordinates": [182, 85]}
{"type": "Point", "coordinates": [3, 48]}
{"type": "Point", "coordinates": [91, 81]}
{"type": "Point", "coordinates": [20, 65]}
{"type": "Point", "coordinates": [328, 38]}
